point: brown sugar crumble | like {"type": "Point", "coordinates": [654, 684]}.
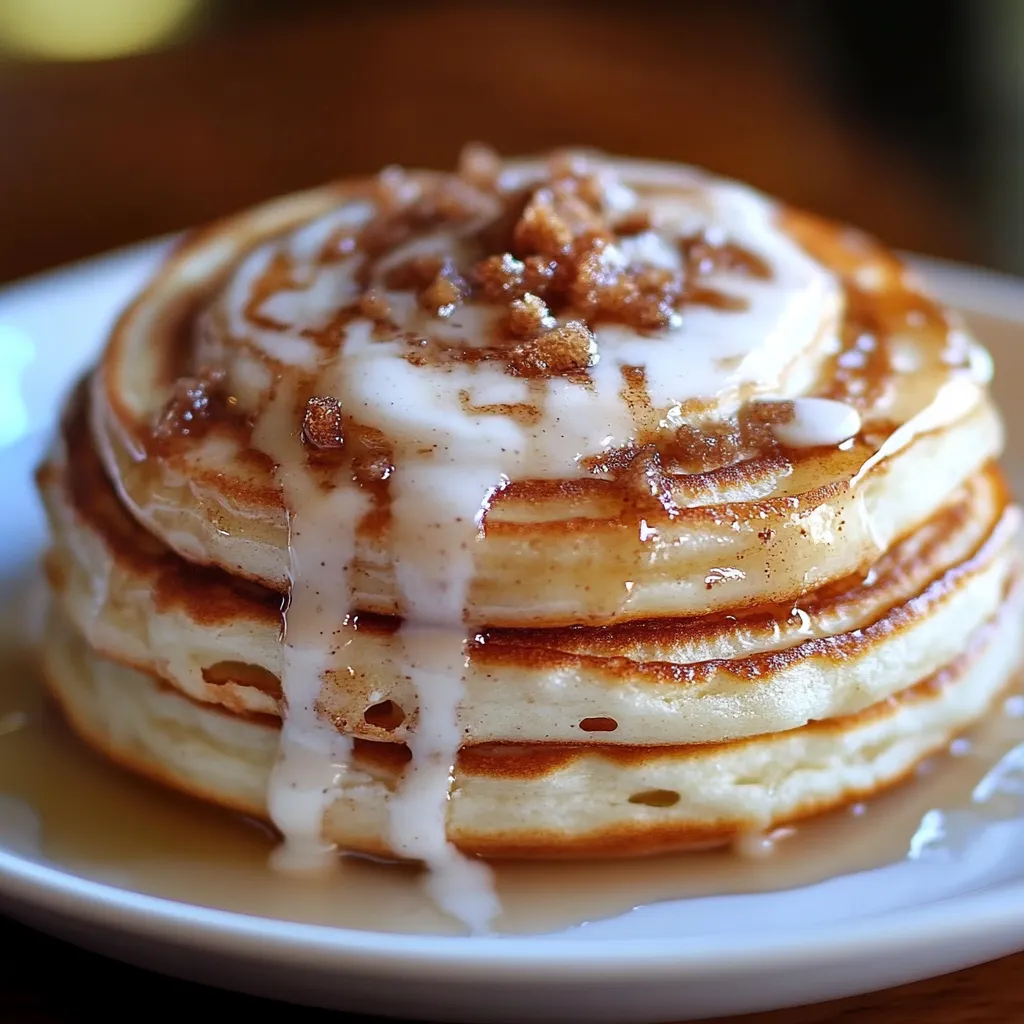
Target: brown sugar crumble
{"type": "Point", "coordinates": [528, 316]}
{"type": "Point", "coordinates": [700, 256]}
{"type": "Point", "coordinates": [443, 294]}
{"type": "Point", "coordinates": [322, 423]}
{"type": "Point", "coordinates": [193, 404]}
{"type": "Point", "coordinates": [414, 274]}
{"type": "Point", "coordinates": [504, 278]}
{"type": "Point", "coordinates": [725, 442]}
{"type": "Point", "coordinates": [636, 222]}
{"type": "Point", "coordinates": [556, 222]}
{"type": "Point", "coordinates": [562, 350]}
{"type": "Point", "coordinates": [646, 483]}
{"type": "Point", "coordinates": [479, 165]}
{"type": "Point", "coordinates": [644, 298]}
{"type": "Point", "coordinates": [548, 253]}
{"type": "Point", "coordinates": [374, 307]}
{"type": "Point", "coordinates": [563, 230]}
{"type": "Point", "coordinates": [551, 255]}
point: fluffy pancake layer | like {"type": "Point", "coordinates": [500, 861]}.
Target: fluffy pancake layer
{"type": "Point", "coordinates": [546, 800]}
{"type": "Point", "coordinates": [832, 653]}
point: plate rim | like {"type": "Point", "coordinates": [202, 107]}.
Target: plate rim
{"type": "Point", "coordinates": [986, 911]}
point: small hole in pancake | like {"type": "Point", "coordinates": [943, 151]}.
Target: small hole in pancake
{"type": "Point", "coordinates": [655, 798]}
{"type": "Point", "coordinates": [599, 725]}
{"type": "Point", "coordinates": [241, 673]}
{"type": "Point", "coordinates": [386, 715]}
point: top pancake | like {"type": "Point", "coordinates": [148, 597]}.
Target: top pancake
{"type": "Point", "coordinates": [647, 483]}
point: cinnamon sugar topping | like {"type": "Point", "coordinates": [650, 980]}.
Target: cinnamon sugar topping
{"type": "Point", "coordinates": [395, 190]}
{"type": "Point", "coordinates": [551, 252]}
{"type": "Point", "coordinates": [504, 278]}
{"type": "Point", "coordinates": [414, 274]}
{"type": "Point", "coordinates": [554, 221]}
{"type": "Point", "coordinates": [605, 289]}
{"type": "Point", "coordinates": [562, 350]}
{"type": "Point", "coordinates": [703, 257]}
{"type": "Point", "coordinates": [322, 423]}
{"type": "Point", "coordinates": [374, 307]}
{"type": "Point", "coordinates": [645, 481]}
{"type": "Point", "coordinates": [528, 316]}
{"type": "Point", "coordinates": [443, 293]}
{"type": "Point", "coordinates": [724, 442]}
{"type": "Point", "coordinates": [194, 402]}
{"type": "Point", "coordinates": [636, 222]}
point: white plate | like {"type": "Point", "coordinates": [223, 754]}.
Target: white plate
{"type": "Point", "coordinates": [691, 959]}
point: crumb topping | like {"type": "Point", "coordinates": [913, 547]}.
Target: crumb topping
{"type": "Point", "coordinates": [549, 262]}
{"type": "Point", "coordinates": [444, 292]}
{"type": "Point", "coordinates": [322, 425]}
{"type": "Point", "coordinates": [549, 256]}
{"type": "Point", "coordinates": [644, 480]}
{"type": "Point", "coordinates": [504, 278]}
{"type": "Point", "coordinates": [724, 442]}
{"type": "Point", "coordinates": [374, 306]}
{"type": "Point", "coordinates": [528, 316]}
{"type": "Point", "coordinates": [193, 404]}
{"type": "Point", "coordinates": [479, 165]}
{"type": "Point", "coordinates": [562, 350]}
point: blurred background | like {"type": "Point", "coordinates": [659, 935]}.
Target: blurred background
{"type": "Point", "coordinates": [122, 119]}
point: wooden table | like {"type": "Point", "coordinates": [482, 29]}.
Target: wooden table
{"type": "Point", "coordinates": [99, 155]}
{"type": "Point", "coordinates": [42, 981]}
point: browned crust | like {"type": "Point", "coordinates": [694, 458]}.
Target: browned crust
{"type": "Point", "coordinates": [207, 594]}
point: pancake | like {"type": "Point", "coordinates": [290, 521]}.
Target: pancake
{"type": "Point", "coordinates": [550, 800]}
{"type": "Point", "coordinates": [218, 639]}
{"type": "Point", "coordinates": [551, 508]}
{"type": "Point", "coordinates": [555, 550]}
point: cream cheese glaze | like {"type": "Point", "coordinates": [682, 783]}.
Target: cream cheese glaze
{"type": "Point", "coordinates": [623, 305]}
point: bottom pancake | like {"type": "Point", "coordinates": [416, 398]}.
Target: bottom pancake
{"type": "Point", "coordinates": [545, 800]}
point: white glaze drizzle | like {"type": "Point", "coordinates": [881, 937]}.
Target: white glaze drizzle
{"type": "Point", "coordinates": [321, 542]}
{"type": "Point", "coordinates": [817, 422]}
{"type": "Point", "coordinates": [435, 503]}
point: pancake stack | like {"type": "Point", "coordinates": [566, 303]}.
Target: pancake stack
{"type": "Point", "coordinates": [558, 508]}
